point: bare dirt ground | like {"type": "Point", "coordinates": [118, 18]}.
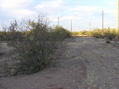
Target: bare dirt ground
{"type": "Point", "coordinates": [83, 63]}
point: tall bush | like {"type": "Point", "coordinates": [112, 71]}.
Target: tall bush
{"type": "Point", "coordinates": [37, 45]}
{"type": "Point", "coordinates": [34, 46]}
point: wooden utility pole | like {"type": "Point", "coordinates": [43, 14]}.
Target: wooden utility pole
{"type": "Point", "coordinates": [117, 31]}
{"type": "Point", "coordinates": [102, 19]}
{"type": "Point", "coordinates": [118, 18]}
{"type": "Point", "coordinates": [71, 25]}
{"type": "Point", "coordinates": [90, 27]}
{"type": "Point", "coordinates": [58, 20]}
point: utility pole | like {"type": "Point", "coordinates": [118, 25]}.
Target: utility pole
{"type": "Point", "coordinates": [58, 20]}
{"type": "Point", "coordinates": [102, 19]}
{"type": "Point", "coordinates": [71, 25]}
{"type": "Point", "coordinates": [116, 38]}
{"type": "Point", "coordinates": [118, 18]}
{"type": "Point", "coordinates": [90, 27]}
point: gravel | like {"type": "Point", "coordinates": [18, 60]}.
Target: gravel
{"type": "Point", "coordinates": [82, 63]}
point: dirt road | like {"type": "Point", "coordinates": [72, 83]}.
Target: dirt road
{"type": "Point", "coordinates": [84, 63]}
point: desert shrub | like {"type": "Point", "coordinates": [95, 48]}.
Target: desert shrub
{"type": "Point", "coordinates": [105, 33]}
{"type": "Point", "coordinates": [75, 33]}
{"type": "Point", "coordinates": [34, 55]}
{"type": "Point", "coordinates": [2, 35]}
{"type": "Point", "coordinates": [37, 45]}
{"type": "Point", "coordinates": [81, 33]}
{"type": "Point", "coordinates": [110, 36]}
{"type": "Point", "coordinates": [35, 49]}
{"type": "Point", "coordinates": [34, 46]}
{"type": "Point", "coordinates": [61, 33]}
{"type": "Point", "coordinates": [11, 33]}
{"type": "Point", "coordinates": [98, 33]}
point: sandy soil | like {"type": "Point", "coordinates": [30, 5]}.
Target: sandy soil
{"type": "Point", "coordinates": [83, 63]}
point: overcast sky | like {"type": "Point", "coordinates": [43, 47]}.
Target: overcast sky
{"type": "Point", "coordinates": [85, 14]}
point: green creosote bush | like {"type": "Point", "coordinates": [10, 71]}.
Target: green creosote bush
{"type": "Point", "coordinates": [61, 33]}
{"type": "Point", "coordinates": [35, 49]}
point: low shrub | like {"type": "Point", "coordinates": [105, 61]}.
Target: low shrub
{"type": "Point", "coordinates": [75, 33]}
{"type": "Point", "coordinates": [109, 34]}
{"type": "Point", "coordinates": [61, 33]}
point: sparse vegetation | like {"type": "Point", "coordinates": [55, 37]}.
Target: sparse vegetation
{"type": "Point", "coordinates": [35, 46]}
{"type": "Point", "coordinates": [109, 34]}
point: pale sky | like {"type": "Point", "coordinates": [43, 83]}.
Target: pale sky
{"type": "Point", "coordinates": [85, 14]}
